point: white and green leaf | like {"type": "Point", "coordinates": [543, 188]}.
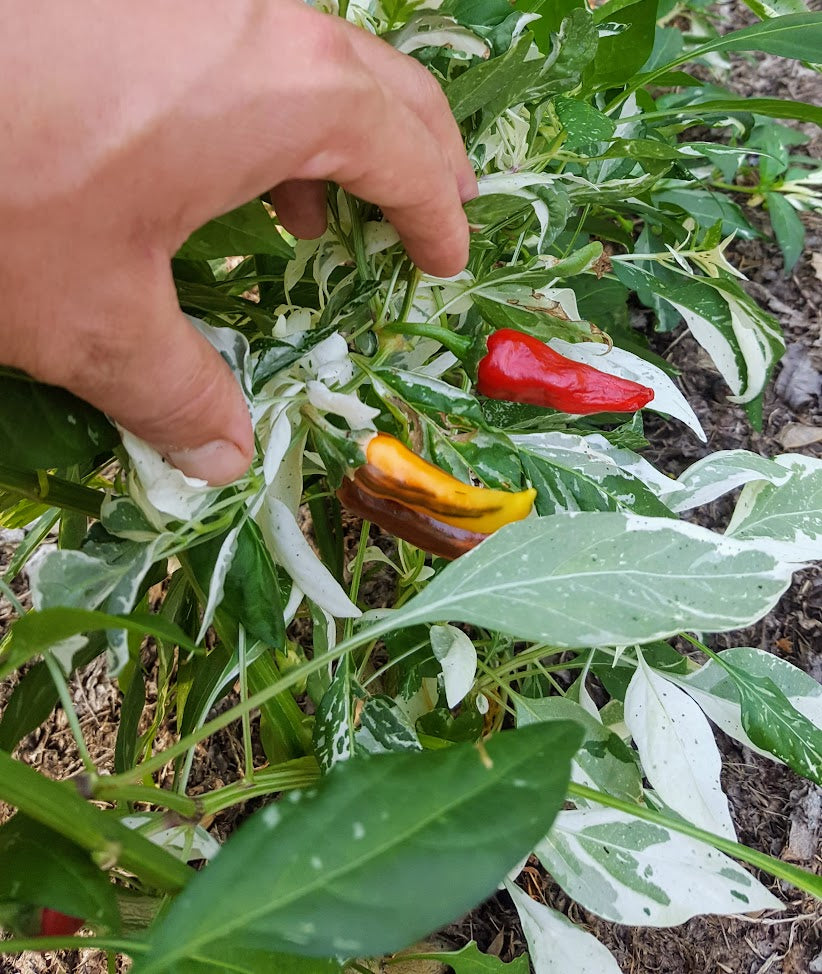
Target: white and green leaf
{"type": "Point", "coordinates": [787, 512]}
{"type": "Point", "coordinates": [634, 872]}
{"type": "Point", "coordinates": [555, 944]}
{"type": "Point", "coordinates": [677, 749]}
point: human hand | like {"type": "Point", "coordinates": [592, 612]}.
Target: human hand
{"type": "Point", "coordinates": [127, 126]}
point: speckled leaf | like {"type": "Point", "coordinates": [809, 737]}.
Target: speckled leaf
{"type": "Point", "coordinates": [677, 748]}
{"type": "Point", "coordinates": [427, 817]}
{"type": "Point", "coordinates": [43, 427]}
{"type": "Point", "coordinates": [383, 727]}
{"type": "Point", "coordinates": [556, 945]}
{"type": "Point", "coordinates": [718, 474]}
{"type": "Point", "coordinates": [788, 513]}
{"type": "Point", "coordinates": [334, 724]}
{"type": "Point", "coordinates": [603, 761]}
{"type": "Point", "coordinates": [585, 473]}
{"type": "Point", "coordinates": [579, 580]}
{"type": "Point", "coordinates": [775, 725]}
{"type": "Point", "coordinates": [634, 872]}
{"type": "Point", "coordinates": [715, 691]}
{"type": "Point", "coordinates": [433, 396]}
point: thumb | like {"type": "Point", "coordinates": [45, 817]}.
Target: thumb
{"type": "Point", "coordinates": [153, 373]}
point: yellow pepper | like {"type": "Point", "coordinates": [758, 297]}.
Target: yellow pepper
{"type": "Point", "coordinates": [396, 474]}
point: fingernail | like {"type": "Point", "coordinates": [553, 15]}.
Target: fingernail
{"type": "Point", "coordinates": [219, 462]}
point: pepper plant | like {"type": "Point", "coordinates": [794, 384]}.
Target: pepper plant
{"type": "Point", "coordinates": [520, 693]}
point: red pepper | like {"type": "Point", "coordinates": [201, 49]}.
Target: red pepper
{"type": "Point", "coordinates": [519, 368]}
{"type": "Point", "coordinates": [53, 923]}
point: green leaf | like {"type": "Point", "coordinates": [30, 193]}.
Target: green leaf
{"type": "Point", "coordinates": [501, 80]}
{"type": "Point", "coordinates": [786, 513]}
{"type": "Point", "coordinates": [58, 805]}
{"type": "Point", "coordinates": [551, 14]}
{"type": "Point", "coordinates": [251, 589]}
{"type": "Point", "coordinates": [532, 321]}
{"type": "Point", "coordinates": [579, 580]}
{"type": "Point", "coordinates": [706, 208]}
{"type": "Point", "coordinates": [603, 761]}
{"type": "Point", "coordinates": [433, 397]}
{"type": "Point", "coordinates": [585, 473]}
{"type": "Point", "coordinates": [620, 55]}
{"type": "Point", "coordinates": [42, 868]}
{"type": "Point", "coordinates": [772, 722]}
{"type": "Point", "coordinates": [37, 631]}
{"type": "Point", "coordinates": [243, 959]}
{"type": "Point", "coordinates": [131, 710]}
{"type": "Point", "coordinates": [772, 107]}
{"type": "Point", "coordinates": [247, 230]}
{"type": "Point", "coordinates": [787, 227]}
{"type": "Point", "coordinates": [776, 8]}
{"type": "Point", "coordinates": [794, 36]}
{"type": "Point", "coordinates": [42, 426]}
{"type": "Point", "coordinates": [392, 815]}
{"type": "Point", "coordinates": [35, 696]}
{"type": "Point", "coordinates": [470, 960]}
{"type": "Point", "coordinates": [504, 82]}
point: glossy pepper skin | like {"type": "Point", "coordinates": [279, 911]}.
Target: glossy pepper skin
{"type": "Point", "coordinates": [422, 504]}
{"type": "Point", "coordinates": [53, 923]}
{"type": "Point", "coordinates": [519, 368]}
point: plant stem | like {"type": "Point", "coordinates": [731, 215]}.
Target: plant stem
{"type": "Point", "coordinates": [59, 679]}
{"type": "Point", "coordinates": [458, 344]}
{"type": "Point", "coordinates": [357, 238]}
{"type": "Point", "coordinates": [54, 491]}
{"type": "Point", "coordinates": [247, 747]}
{"type": "Point", "coordinates": [191, 808]}
{"type": "Point", "coordinates": [299, 773]}
{"type": "Point", "coordinates": [412, 281]}
{"type": "Point", "coordinates": [58, 806]}
{"type": "Point", "coordinates": [800, 878]}
{"type": "Point", "coordinates": [290, 679]}
{"type": "Point", "coordinates": [6, 590]}
{"type": "Point", "coordinates": [118, 944]}
{"type": "Point", "coordinates": [356, 574]}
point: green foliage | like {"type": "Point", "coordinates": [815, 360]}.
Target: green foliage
{"type": "Point", "coordinates": [595, 203]}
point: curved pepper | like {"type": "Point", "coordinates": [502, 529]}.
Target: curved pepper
{"type": "Point", "coordinates": [519, 368]}
{"type": "Point", "coordinates": [435, 537]}
{"type": "Point", "coordinates": [392, 471]}
{"type": "Point", "coordinates": [422, 504]}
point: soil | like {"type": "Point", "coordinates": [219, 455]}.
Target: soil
{"type": "Point", "coordinates": [775, 811]}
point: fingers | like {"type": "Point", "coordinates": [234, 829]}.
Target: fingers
{"type": "Point", "coordinates": [148, 369]}
{"type": "Point", "coordinates": [375, 122]}
{"type": "Point", "coordinates": [300, 207]}
{"type": "Point", "coordinates": [388, 156]}
{"type": "Point", "coordinates": [411, 83]}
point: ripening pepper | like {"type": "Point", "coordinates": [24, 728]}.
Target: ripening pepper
{"type": "Point", "coordinates": [422, 504]}
{"type": "Point", "coordinates": [53, 923]}
{"type": "Point", "coordinates": [519, 368]}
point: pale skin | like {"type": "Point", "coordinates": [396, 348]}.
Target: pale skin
{"type": "Point", "coordinates": [125, 126]}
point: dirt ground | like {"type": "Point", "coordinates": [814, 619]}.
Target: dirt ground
{"type": "Point", "coordinates": [775, 811]}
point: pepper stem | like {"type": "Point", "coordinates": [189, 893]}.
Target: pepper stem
{"type": "Point", "coordinates": [458, 344]}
